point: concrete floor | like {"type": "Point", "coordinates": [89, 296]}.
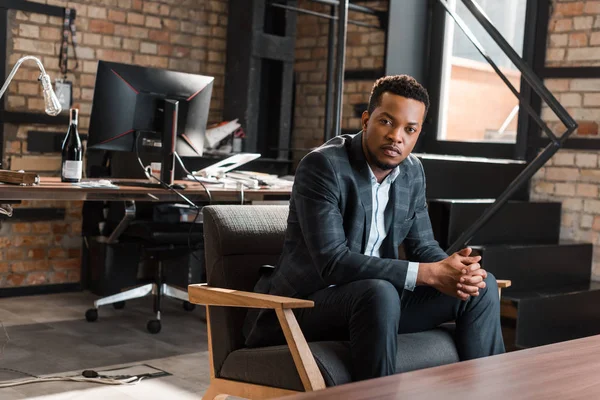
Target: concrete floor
{"type": "Point", "coordinates": [48, 335]}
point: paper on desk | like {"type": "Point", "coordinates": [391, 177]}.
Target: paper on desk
{"type": "Point", "coordinates": [215, 135]}
{"type": "Point", "coordinates": [101, 183]}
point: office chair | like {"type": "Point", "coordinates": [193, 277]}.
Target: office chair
{"type": "Point", "coordinates": [161, 242]}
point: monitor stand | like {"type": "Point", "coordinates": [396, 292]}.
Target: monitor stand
{"type": "Point", "coordinates": [168, 141]}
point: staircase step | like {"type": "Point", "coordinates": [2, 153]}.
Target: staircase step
{"type": "Point", "coordinates": [517, 222]}
{"type": "Point", "coordinates": [554, 315]}
{"type": "Point", "coordinates": [454, 177]}
{"type": "Point", "coordinates": [532, 267]}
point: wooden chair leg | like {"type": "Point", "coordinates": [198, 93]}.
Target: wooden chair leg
{"type": "Point", "coordinates": [212, 393]}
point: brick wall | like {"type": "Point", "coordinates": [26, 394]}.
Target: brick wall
{"type": "Point", "coordinates": [365, 50]}
{"type": "Point", "coordinates": [188, 36]}
{"type": "Point", "coordinates": [573, 177]}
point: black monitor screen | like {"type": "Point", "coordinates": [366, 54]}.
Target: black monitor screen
{"type": "Point", "coordinates": [129, 99]}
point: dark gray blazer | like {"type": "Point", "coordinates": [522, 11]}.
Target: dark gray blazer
{"type": "Point", "coordinates": [329, 224]}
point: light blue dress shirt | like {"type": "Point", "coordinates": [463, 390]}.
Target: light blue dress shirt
{"type": "Point", "coordinates": [377, 234]}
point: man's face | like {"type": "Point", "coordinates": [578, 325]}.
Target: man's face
{"type": "Point", "coordinates": [391, 132]}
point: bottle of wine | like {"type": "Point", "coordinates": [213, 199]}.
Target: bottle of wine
{"type": "Point", "coordinates": [72, 152]}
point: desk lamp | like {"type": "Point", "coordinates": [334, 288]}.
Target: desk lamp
{"type": "Point", "coordinates": [53, 108]}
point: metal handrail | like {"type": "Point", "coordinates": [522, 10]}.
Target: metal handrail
{"type": "Point", "coordinates": [538, 87]}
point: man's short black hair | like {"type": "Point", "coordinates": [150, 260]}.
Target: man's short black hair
{"type": "Point", "coordinates": [401, 85]}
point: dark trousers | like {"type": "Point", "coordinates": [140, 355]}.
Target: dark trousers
{"type": "Point", "coordinates": [370, 314]}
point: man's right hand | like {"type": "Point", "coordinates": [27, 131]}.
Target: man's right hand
{"type": "Point", "coordinates": [459, 275]}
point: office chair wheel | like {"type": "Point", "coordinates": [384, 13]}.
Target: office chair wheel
{"type": "Point", "coordinates": [153, 326]}
{"type": "Point", "coordinates": [91, 315]}
{"type": "Point", "coordinates": [187, 306]}
{"type": "Point", "coordinates": [119, 305]}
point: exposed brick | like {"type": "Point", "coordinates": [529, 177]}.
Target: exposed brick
{"type": "Point", "coordinates": [151, 61]}
{"type": "Point", "coordinates": [31, 31]}
{"type": "Point", "coordinates": [564, 158]}
{"type": "Point", "coordinates": [563, 25]}
{"type": "Point", "coordinates": [92, 39]}
{"type": "Point", "coordinates": [583, 23]}
{"type": "Point", "coordinates": [40, 227]}
{"type": "Point", "coordinates": [591, 206]}
{"type": "Point", "coordinates": [587, 190]}
{"type": "Point", "coordinates": [565, 189]}
{"type": "Point", "coordinates": [587, 221]}
{"type": "Point", "coordinates": [97, 12]}
{"type": "Point", "coordinates": [586, 160]}
{"type": "Point", "coordinates": [36, 254]}
{"type": "Point", "coordinates": [21, 227]}
{"type": "Point", "coordinates": [101, 26]}
{"type": "Point", "coordinates": [31, 241]}
{"type": "Point", "coordinates": [111, 42]}
{"type": "Point", "coordinates": [585, 85]}
{"type": "Point", "coordinates": [573, 204]}
{"type": "Point", "coordinates": [13, 280]}
{"type": "Point", "coordinates": [555, 54]}
{"type": "Point", "coordinates": [151, 7]}
{"type": "Point", "coordinates": [116, 16]}
{"type": "Point", "coordinates": [159, 36]}
{"type": "Point", "coordinates": [584, 54]}
{"type": "Point", "coordinates": [115, 55]}
{"type": "Point", "coordinates": [27, 266]}
{"type": "Point", "coordinates": [70, 263]}
{"type": "Point", "coordinates": [131, 44]}
{"type": "Point", "coordinates": [587, 128]}
{"type": "Point", "coordinates": [135, 18]}
{"type": "Point", "coordinates": [562, 174]}
{"type": "Point", "coordinates": [592, 7]}
{"type": "Point", "coordinates": [591, 99]}
{"type": "Point", "coordinates": [14, 254]}
{"type": "Point", "coordinates": [578, 39]}
{"type": "Point", "coordinates": [570, 99]}
{"type": "Point", "coordinates": [59, 277]}
{"type": "Point", "coordinates": [37, 278]}
{"type": "Point", "coordinates": [596, 224]}
{"type": "Point", "coordinates": [153, 22]}
{"type": "Point", "coordinates": [57, 253]}
{"type": "Point", "coordinates": [148, 48]}
{"type": "Point", "coordinates": [33, 46]}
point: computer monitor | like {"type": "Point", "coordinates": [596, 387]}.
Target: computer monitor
{"type": "Point", "coordinates": [151, 108]}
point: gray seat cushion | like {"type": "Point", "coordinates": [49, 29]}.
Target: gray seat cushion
{"type": "Point", "coordinates": [274, 366]}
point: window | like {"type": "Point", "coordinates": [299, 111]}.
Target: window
{"type": "Point", "coordinates": [476, 105]}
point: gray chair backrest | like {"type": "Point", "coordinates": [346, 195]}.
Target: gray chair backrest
{"type": "Point", "coordinates": [238, 240]}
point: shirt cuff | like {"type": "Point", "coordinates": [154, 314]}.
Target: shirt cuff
{"type": "Point", "coordinates": [411, 276]}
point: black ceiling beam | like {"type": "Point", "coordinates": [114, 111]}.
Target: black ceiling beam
{"type": "Point", "coordinates": [351, 7]}
{"type": "Point", "coordinates": [570, 72]}
{"type": "Point", "coordinates": [28, 6]}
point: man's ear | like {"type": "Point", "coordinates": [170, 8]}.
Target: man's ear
{"type": "Point", "coordinates": [365, 119]}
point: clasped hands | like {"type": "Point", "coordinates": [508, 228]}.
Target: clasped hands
{"type": "Point", "coordinates": [459, 275]}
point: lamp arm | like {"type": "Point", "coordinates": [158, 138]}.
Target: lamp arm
{"type": "Point", "coordinates": [16, 67]}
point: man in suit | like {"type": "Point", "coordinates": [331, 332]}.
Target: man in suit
{"type": "Point", "coordinates": [354, 201]}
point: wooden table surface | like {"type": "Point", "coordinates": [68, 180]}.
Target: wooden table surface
{"type": "Point", "coordinates": [567, 370]}
{"type": "Point", "coordinates": [51, 188]}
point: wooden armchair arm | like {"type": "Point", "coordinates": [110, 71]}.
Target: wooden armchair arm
{"type": "Point", "coordinates": [211, 296]}
{"type": "Point", "coordinates": [309, 372]}
{"type": "Point", "coordinates": [502, 284]}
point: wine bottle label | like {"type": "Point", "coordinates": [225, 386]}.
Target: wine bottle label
{"type": "Point", "coordinates": [72, 169]}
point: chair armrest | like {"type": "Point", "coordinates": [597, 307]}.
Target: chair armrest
{"type": "Point", "coordinates": [503, 284]}
{"type": "Point", "coordinates": [211, 296]}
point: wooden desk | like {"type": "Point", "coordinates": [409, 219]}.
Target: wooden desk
{"type": "Point", "coordinates": [54, 189]}
{"type": "Point", "coordinates": [567, 370]}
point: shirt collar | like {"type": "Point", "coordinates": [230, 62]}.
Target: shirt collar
{"type": "Point", "coordinates": [390, 178]}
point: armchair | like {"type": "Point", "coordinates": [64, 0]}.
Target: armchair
{"type": "Point", "coordinates": [239, 240]}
